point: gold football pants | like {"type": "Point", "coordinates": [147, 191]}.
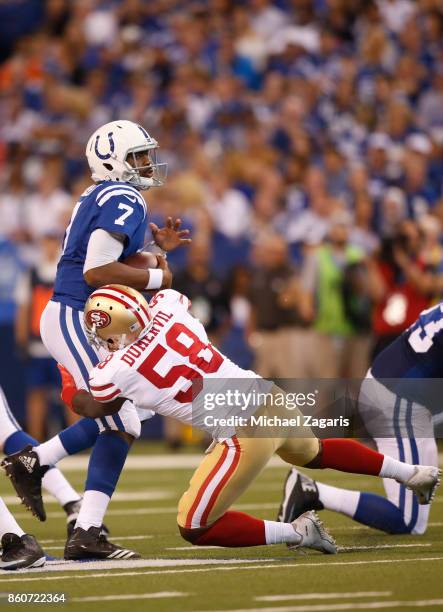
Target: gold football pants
{"type": "Point", "coordinates": [230, 466]}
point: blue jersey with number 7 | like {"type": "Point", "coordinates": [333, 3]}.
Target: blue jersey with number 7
{"type": "Point", "coordinates": [113, 206]}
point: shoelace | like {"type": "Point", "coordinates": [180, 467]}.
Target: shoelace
{"type": "Point", "coordinates": [322, 529]}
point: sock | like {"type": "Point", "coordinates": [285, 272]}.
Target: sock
{"type": "Point", "coordinates": [8, 524]}
{"type": "Point", "coordinates": [79, 436]}
{"type": "Point", "coordinates": [235, 529]}
{"type": "Point", "coordinates": [50, 452]}
{"type": "Point", "coordinates": [17, 441]}
{"type": "Point", "coordinates": [338, 500]}
{"type": "Point", "coordinates": [350, 456]}
{"type": "Point", "coordinates": [392, 468]}
{"type": "Point", "coordinates": [378, 512]}
{"type": "Point", "coordinates": [279, 533]}
{"type": "Point", "coordinates": [92, 510]}
{"type": "Point", "coordinates": [105, 465]}
{"type": "Point", "coordinates": [56, 484]}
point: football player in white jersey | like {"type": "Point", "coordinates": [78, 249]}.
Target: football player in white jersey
{"type": "Point", "coordinates": [107, 226]}
{"type": "Point", "coordinates": [156, 352]}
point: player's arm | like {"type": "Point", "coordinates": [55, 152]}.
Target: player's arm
{"type": "Point", "coordinates": [82, 402]}
{"type": "Point", "coordinates": [85, 405]}
{"type": "Point", "coordinates": [102, 268]}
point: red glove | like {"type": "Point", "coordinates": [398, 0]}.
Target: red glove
{"type": "Point", "coordinates": [68, 386]}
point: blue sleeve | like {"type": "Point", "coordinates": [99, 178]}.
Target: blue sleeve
{"type": "Point", "coordinates": [122, 214]}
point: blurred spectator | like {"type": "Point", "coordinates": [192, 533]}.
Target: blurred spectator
{"type": "Point", "coordinates": [277, 312]}
{"type": "Point", "coordinates": [32, 294]}
{"type": "Point", "coordinates": [406, 283]}
{"type": "Point", "coordinates": [333, 283]}
{"type": "Point", "coordinates": [204, 290]}
{"type": "Point", "coordinates": [272, 117]}
{"type": "Point", "coordinates": [49, 196]}
{"type": "Point", "coordinates": [234, 334]}
{"type": "Point", "coordinates": [11, 268]}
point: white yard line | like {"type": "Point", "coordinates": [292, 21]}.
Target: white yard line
{"type": "Point", "coordinates": [367, 605]}
{"type": "Point", "coordinates": [379, 546]}
{"type": "Point", "coordinates": [194, 548]}
{"type": "Point", "coordinates": [304, 596]}
{"type": "Point", "coordinates": [159, 595]}
{"type": "Point", "coordinates": [135, 537]}
{"type": "Point", "coordinates": [157, 510]}
{"type": "Point", "coordinates": [20, 575]}
{"type": "Point", "coordinates": [119, 496]}
{"type": "Point", "coordinates": [340, 548]}
{"type": "Point", "coordinates": [60, 565]}
{"type": "Point", "coordinates": [154, 510]}
{"type": "Point", "coordinates": [161, 462]}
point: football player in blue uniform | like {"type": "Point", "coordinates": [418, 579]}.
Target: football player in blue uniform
{"type": "Point", "coordinates": [108, 224]}
{"type": "Point", "coordinates": [396, 402]}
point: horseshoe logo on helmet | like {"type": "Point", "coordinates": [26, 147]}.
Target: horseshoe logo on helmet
{"type": "Point", "coordinates": [111, 147]}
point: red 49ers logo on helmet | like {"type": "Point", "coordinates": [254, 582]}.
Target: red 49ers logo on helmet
{"type": "Point", "coordinates": [99, 318]}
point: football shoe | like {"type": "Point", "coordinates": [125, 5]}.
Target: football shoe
{"type": "Point", "coordinates": [26, 473]}
{"type": "Point", "coordinates": [300, 494]}
{"type": "Point", "coordinates": [314, 534]}
{"type": "Point", "coordinates": [20, 551]}
{"type": "Point", "coordinates": [424, 482]}
{"type": "Point", "coordinates": [93, 544]}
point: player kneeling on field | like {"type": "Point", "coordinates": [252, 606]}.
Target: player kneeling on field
{"type": "Point", "coordinates": [155, 369]}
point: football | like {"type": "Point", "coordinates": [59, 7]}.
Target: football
{"type": "Point", "coordinates": [142, 261]}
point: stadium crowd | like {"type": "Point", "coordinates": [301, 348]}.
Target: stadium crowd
{"type": "Point", "coordinates": [304, 140]}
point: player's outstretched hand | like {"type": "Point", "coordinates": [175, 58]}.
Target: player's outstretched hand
{"type": "Point", "coordinates": [162, 264]}
{"type": "Point", "coordinates": [171, 236]}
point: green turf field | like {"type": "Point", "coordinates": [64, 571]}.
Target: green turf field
{"type": "Point", "coordinates": [372, 571]}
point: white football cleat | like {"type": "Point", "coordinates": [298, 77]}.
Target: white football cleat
{"type": "Point", "coordinates": [313, 534]}
{"type": "Point", "coordinates": [423, 482]}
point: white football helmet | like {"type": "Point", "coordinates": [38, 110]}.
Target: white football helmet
{"type": "Point", "coordinates": [113, 150]}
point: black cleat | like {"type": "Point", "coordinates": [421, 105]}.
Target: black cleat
{"type": "Point", "coordinates": [92, 544]}
{"type": "Point", "coordinates": [72, 509]}
{"type": "Point", "coordinates": [19, 552]}
{"type": "Point", "coordinates": [299, 495]}
{"type": "Point", "coordinates": [26, 473]}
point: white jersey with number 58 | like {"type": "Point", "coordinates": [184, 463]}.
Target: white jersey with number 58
{"type": "Point", "coordinates": [157, 371]}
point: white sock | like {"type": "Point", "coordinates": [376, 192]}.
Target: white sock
{"type": "Point", "coordinates": [8, 524]}
{"type": "Point", "coordinates": [56, 484]}
{"type": "Point", "coordinates": [93, 509]}
{"type": "Point", "coordinates": [50, 452]}
{"type": "Point", "coordinates": [279, 533]}
{"type": "Point", "coordinates": [398, 470]}
{"type": "Point", "coordinates": [338, 500]}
